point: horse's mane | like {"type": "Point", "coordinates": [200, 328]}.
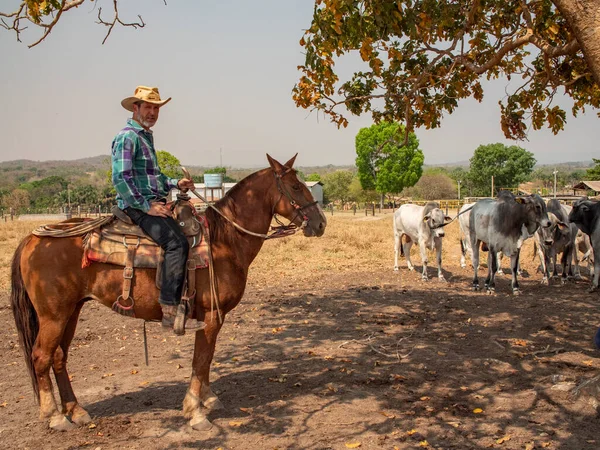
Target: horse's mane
{"type": "Point", "coordinates": [218, 225]}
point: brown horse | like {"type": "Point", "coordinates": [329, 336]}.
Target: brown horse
{"type": "Point", "coordinates": [49, 288]}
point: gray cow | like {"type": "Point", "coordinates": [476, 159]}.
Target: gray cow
{"type": "Point", "coordinates": [586, 215]}
{"type": "Point", "coordinates": [504, 224]}
{"type": "Point", "coordinates": [559, 237]}
{"type": "Point", "coordinates": [422, 225]}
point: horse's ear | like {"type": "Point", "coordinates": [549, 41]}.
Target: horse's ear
{"type": "Point", "coordinates": [290, 163]}
{"type": "Point", "coordinates": [275, 165]}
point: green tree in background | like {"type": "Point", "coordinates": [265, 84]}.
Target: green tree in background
{"type": "Point", "coordinates": [169, 164]}
{"type": "Point", "coordinates": [313, 177]}
{"type": "Point", "coordinates": [508, 165]}
{"type": "Point", "coordinates": [594, 172]}
{"type": "Point", "coordinates": [336, 186]}
{"type": "Point", "coordinates": [384, 163]}
{"type": "Point", "coordinates": [421, 57]}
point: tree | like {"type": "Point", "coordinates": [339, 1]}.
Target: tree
{"type": "Point", "coordinates": [594, 172]}
{"type": "Point", "coordinates": [508, 165]}
{"type": "Point", "coordinates": [336, 186]}
{"type": "Point", "coordinates": [433, 185]}
{"type": "Point", "coordinates": [313, 177]}
{"type": "Point", "coordinates": [423, 56]}
{"type": "Point", "coordinates": [45, 14]}
{"type": "Point", "coordinates": [18, 199]}
{"type": "Point", "coordinates": [169, 164]}
{"type": "Point", "coordinates": [384, 163]}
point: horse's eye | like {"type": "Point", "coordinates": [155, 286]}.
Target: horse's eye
{"type": "Point", "coordinates": [296, 187]}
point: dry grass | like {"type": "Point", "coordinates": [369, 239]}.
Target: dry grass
{"type": "Point", "coordinates": [350, 243]}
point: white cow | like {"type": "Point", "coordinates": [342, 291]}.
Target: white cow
{"type": "Point", "coordinates": [421, 225]}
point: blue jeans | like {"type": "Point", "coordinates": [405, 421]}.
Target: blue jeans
{"type": "Point", "coordinates": [166, 233]}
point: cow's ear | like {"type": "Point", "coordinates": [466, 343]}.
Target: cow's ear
{"type": "Point", "coordinates": [426, 217]}
{"type": "Point", "coordinates": [562, 225]}
{"type": "Point", "coordinates": [520, 200]}
{"type": "Point", "coordinates": [448, 218]}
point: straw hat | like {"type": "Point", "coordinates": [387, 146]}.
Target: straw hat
{"type": "Point", "coordinates": [145, 94]}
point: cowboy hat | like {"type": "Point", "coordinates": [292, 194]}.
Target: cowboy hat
{"type": "Point", "coordinates": [144, 94]}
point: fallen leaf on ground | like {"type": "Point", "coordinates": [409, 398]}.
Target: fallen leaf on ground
{"type": "Point", "coordinates": [133, 372]}
{"type": "Point", "coordinates": [502, 440]}
{"type": "Point", "coordinates": [352, 444]}
{"type": "Point", "coordinates": [519, 342]}
{"type": "Point", "coordinates": [236, 423]}
{"type": "Point", "coordinates": [424, 444]}
{"type": "Point", "coordinates": [411, 432]}
{"type": "Point", "coordinates": [477, 410]}
{"type": "Point", "coordinates": [425, 398]}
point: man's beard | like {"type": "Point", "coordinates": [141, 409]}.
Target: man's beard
{"type": "Point", "coordinates": [145, 123]}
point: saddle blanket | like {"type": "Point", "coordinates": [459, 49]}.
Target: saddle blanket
{"type": "Point", "coordinates": [110, 244]}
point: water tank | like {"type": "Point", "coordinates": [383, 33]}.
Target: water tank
{"type": "Point", "coordinates": [213, 180]}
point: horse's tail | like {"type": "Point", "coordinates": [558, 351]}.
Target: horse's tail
{"type": "Point", "coordinates": [25, 316]}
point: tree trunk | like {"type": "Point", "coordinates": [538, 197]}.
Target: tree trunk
{"type": "Point", "coordinates": [381, 201]}
{"type": "Point", "coordinates": [583, 16]}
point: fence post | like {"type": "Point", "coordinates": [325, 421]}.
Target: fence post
{"type": "Point", "coordinates": [331, 208]}
{"type": "Point", "coordinates": [12, 213]}
{"type": "Point", "coordinates": [354, 208]}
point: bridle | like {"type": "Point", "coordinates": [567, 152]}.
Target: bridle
{"type": "Point", "coordinates": [276, 231]}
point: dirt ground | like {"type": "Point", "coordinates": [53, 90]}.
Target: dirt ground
{"type": "Point", "coordinates": [332, 349]}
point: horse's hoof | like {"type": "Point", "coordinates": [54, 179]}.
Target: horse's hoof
{"type": "Point", "coordinates": [81, 419]}
{"type": "Point", "coordinates": [60, 423]}
{"type": "Point", "coordinates": [214, 404]}
{"type": "Point", "coordinates": [201, 423]}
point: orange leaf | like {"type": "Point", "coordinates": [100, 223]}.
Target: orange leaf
{"type": "Point", "coordinates": [477, 411]}
{"type": "Point", "coordinates": [352, 444]}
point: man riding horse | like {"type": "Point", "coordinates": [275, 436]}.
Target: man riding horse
{"type": "Point", "coordinates": [141, 193]}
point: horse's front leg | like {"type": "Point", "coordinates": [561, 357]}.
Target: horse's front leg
{"type": "Point", "coordinates": [199, 393]}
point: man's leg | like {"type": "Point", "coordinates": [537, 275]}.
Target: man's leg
{"type": "Point", "coordinates": [166, 233]}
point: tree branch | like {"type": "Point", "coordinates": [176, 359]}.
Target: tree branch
{"type": "Point", "coordinates": [116, 19]}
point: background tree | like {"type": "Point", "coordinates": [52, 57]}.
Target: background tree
{"type": "Point", "coordinates": [45, 14]}
{"type": "Point", "coordinates": [18, 199]}
{"type": "Point", "coordinates": [594, 172]}
{"type": "Point", "coordinates": [421, 57]}
{"type": "Point", "coordinates": [508, 165]}
{"type": "Point", "coordinates": [384, 163]}
{"type": "Point", "coordinates": [434, 184]}
{"type": "Point", "coordinates": [313, 177]}
{"type": "Point", "coordinates": [169, 164]}
{"type": "Point", "coordinates": [336, 186]}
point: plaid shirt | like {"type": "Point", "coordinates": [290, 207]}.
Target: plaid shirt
{"type": "Point", "coordinates": [135, 172]}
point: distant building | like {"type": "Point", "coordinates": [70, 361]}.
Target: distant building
{"type": "Point", "coordinates": [316, 189]}
{"type": "Point", "coordinates": [587, 187]}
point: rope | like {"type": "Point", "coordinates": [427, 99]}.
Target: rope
{"type": "Point", "coordinates": [459, 214]}
{"type": "Point", "coordinates": [71, 229]}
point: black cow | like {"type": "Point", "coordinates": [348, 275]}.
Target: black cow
{"type": "Point", "coordinates": [586, 214]}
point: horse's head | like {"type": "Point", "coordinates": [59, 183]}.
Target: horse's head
{"type": "Point", "coordinates": [294, 201]}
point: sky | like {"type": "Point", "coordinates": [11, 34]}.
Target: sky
{"type": "Point", "coordinates": [230, 66]}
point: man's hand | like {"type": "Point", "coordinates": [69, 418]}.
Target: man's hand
{"type": "Point", "coordinates": [185, 183]}
{"type": "Point", "coordinates": [159, 209]}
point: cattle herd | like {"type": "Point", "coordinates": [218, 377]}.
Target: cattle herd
{"type": "Point", "coordinates": [500, 226]}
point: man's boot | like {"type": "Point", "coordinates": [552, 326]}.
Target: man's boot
{"type": "Point", "coordinates": [175, 316]}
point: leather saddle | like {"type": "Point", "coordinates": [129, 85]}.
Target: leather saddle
{"type": "Point", "coordinates": [122, 243]}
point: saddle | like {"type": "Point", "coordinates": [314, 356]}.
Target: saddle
{"type": "Point", "coordinates": [122, 243]}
